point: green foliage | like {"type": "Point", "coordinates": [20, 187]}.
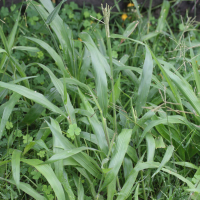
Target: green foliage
{"type": "Point", "coordinates": [87, 115]}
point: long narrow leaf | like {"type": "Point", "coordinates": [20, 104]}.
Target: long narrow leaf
{"type": "Point", "coordinates": [54, 13]}
{"type": "Point", "coordinates": [48, 173]}
{"type": "Point", "coordinates": [16, 166]}
{"type": "Point", "coordinates": [118, 155]}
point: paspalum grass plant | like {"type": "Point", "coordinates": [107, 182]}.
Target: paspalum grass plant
{"type": "Point", "coordinates": [105, 126]}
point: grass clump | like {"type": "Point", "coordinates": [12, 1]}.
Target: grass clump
{"type": "Point", "coordinates": [98, 107]}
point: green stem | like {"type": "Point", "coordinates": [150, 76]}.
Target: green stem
{"type": "Point", "coordinates": [112, 85]}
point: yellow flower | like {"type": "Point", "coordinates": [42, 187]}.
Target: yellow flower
{"type": "Point", "coordinates": [130, 5]}
{"type": "Point", "coordinates": [124, 16]}
{"type": "Point", "coordinates": [79, 39]}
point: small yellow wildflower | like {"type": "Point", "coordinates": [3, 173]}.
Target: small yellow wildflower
{"type": "Point", "coordinates": [79, 39]}
{"type": "Point", "coordinates": [124, 16]}
{"type": "Point", "coordinates": [130, 5]}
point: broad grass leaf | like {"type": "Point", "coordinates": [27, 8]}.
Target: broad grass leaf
{"type": "Point", "coordinates": [15, 162]}
{"type": "Point", "coordinates": [24, 48]}
{"type": "Point", "coordinates": [163, 15]}
{"type": "Point", "coordinates": [127, 166]}
{"type": "Point", "coordinates": [100, 41]}
{"type": "Point", "coordinates": [8, 110]}
{"type": "Point", "coordinates": [150, 147]}
{"type": "Point", "coordinates": [100, 67]}
{"type": "Point", "coordinates": [27, 189]}
{"type": "Point", "coordinates": [167, 156]}
{"type": "Point", "coordinates": [66, 153]}
{"type": "Point", "coordinates": [3, 51]}
{"type": "Point", "coordinates": [186, 164]}
{"type": "Point", "coordinates": [54, 13]}
{"type": "Point", "coordinates": [49, 174]}
{"type": "Point", "coordinates": [35, 96]}
{"type": "Point", "coordinates": [130, 28]}
{"type": "Point", "coordinates": [85, 65]}
{"type": "Point", "coordinates": [144, 83]}
{"type": "Point", "coordinates": [96, 125]}
{"type": "Point", "coordinates": [118, 156]}
{"type": "Point", "coordinates": [117, 90]}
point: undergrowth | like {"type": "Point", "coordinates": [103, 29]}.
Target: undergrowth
{"type": "Point", "coordinates": [98, 105]}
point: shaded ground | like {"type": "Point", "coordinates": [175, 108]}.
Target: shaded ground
{"type": "Point", "coordinates": [193, 9]}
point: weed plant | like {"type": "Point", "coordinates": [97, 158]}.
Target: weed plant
{"type": "Point", "coordinates": [98, 107]}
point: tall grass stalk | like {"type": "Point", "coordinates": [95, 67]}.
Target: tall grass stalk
{"type": "Point", "coordinates": [106, 13]}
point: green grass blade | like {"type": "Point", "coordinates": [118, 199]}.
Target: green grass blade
{"type": "Point", "coordinates": [57, 83]}
{"type": "Point", "coordinates": [81, 157]}
{"type": "Point", "coordinates": [172, 87]}
{"type": "Point", "coordinates": [85, 65]}
{"type": "Point", "coordinates": [128, 185]}
{"type": "Point", "coordinates": [96, 125]}
{"type": "Point", "coordinates": [100, 66]}
{"type": "Point", "coordinates": [20, 70]}
{"type": "Point", "coordinates": [137, 9]}
{"type": "Point", "coordinates": [170, 119]}
{"type": "Point", "coordinates": [53, 54]}
{"type": "Point", "coordinates": [163, 15]}
{"type": "Point", "coordinates": [186, 164]}
{"type": "Point", "coordinates": [167, 156]}
{"type": "Point", "coordinates": [49, 174]}
{"type": "Point", "coordinates": [54, 13]}
{"type": "Point", "coordinates": [117, 158]}
{"type": "Point", "coordinates": [186, 90]}
{"type": "Point", "coordinates": [66, 153]}
{"type": "Point", "coordinates": [24, 48]}
{"type": "Point", "coordinates": [4, 40]}
{"type": "Point", "coordinates": [145, 83]}
{"type": "Point", "coordinates": [80, 188]}
{"type": "Point", "coordinates": [117, 90]}
{"type": "Point", "coordinates": [195, 70]}
{"type": "Point", "coordinates": [10, 41]}
{"type": "Point", "coordinates": [67, 187]}
{"type": "Point", "coordinates": [27, 189]}
{"type": "Point", "coordinates": [33, 95]}
{"type": "Point", "coordinates": [130, 28]}
{"type": "Point", "coordinates": [137, 192]}
{"type": "Point", "coordinates": [84, 173]}
{"type": "Point", "coordinates": [15, 162]}
{"type": "Point", "coordinates": [7, 111]}
{"type": "Point", "coordinates": [151, 146]}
